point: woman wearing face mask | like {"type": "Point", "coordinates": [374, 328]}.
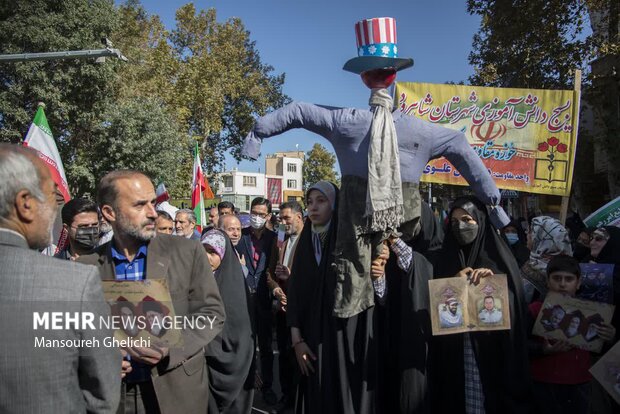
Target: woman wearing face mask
{"type": "Point", "coordinates": [335, 355]}
{"type": "Point", "coordinates": [230, 354]}
{"type": "Point", "coordinates": [605, 248]}
{"type": "Point", "coordinates": [483, 371]}
{"type": "Point", "coordinates": [547, 238]}
{"type": "Point", "coordinates": [517, 240]}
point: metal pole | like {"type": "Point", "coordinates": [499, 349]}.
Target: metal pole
{"type": "Point", "coordinates": [71, 54]}
{"type": "Point", "coordinates": [430, 194]}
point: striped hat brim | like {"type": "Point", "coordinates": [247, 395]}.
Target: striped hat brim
{"type": "Point", "coordinates": [364, 63]}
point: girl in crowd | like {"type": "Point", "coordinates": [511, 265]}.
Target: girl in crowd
{"type": "Point", "coordinates": [547, 238]}
{"type": "Point", "coordinates": [481, 371]}
{"type": "Point", "coordinates": [336, 357]}
{"type": "Point", "coordinates": [230, 354]}
{"type": "Point", "coordinates": [517, 240]}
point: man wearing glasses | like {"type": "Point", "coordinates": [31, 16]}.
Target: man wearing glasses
{"type": "Point", "coordinates": [255, 247]}
{"type": "Point", "coordinates": [80, 219]}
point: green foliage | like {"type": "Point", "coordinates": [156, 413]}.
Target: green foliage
{"type": "Point", "coordinates": [529, 43]}
{"type": "Point", "coordinates": [138, 134]}
{"type": "Point", "coordinates": [203, 81]}
{"type": "Point", "coordinates": [319, 165]}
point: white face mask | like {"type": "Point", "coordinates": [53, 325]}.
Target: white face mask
{"type": "Point", "coordinates": [257, 222]}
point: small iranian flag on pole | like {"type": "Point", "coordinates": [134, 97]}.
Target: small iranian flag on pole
{"type": "Point", "coordinates": [198, 186]}
{"type": "Point", "coordinates": [40, 138]}
{"type": "Point", "coordinates": [161, 193]}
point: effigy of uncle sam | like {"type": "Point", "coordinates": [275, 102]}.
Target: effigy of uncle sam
{"type": "Point", "coordinates": [382, 155]}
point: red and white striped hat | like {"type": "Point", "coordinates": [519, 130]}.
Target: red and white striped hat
{"type": "Point", "coordinates": [376, 46]}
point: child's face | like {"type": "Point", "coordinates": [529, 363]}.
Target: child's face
{"type": "Point", "coordinates": [563, 282]}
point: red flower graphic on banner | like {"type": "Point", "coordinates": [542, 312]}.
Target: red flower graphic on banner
{"type": "Point", "coordinates": [552, 146]}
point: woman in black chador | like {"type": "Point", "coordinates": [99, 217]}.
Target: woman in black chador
{"type": "Point", "coordinates": [480, 372]}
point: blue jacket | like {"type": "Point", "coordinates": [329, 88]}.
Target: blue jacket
{"type": "Point", "coordinates": [257, 275]}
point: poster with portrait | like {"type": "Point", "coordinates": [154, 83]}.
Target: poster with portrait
{"type": "Point", "coordinates": [573, 320]}
{"type": "Point", "coordinates": [143, 310]}
{"type": "Point", "coordinates": [458, 306]}
{"type": "Point", "coordinates": [607, 372]}
{"type": "Point", "coordinates": [597, 282]}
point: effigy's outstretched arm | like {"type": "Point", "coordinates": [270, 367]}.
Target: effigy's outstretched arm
{"type": "Point", "coordinates": [315, 118]}
{"type": "Point", "coordinates": [454, 146]}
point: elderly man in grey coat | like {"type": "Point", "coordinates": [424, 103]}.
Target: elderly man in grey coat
{"type": "Point", "coordinates": [49, 364]}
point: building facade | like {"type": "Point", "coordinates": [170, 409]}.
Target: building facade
{"type": "Point", "coordinates": [282, 181]}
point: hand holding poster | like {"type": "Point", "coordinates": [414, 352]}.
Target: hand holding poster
{"type": "Point", "coordinates": [573, 320]}
{"type": "Point", "coordinates": [607, 372]}
{"type": "Point", "coordinates": [608, 215]}
{"type": "Point", "coordinates": [597, 282]}
{"type": "Point", "coordinates": [143, 310]}
{"type": "Point", "coordinates": [458, 306]}
{"type": "Point", "coordinates": [525, 137]}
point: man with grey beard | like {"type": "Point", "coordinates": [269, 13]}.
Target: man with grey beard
{"type": "Point", "coordinates": [80, 376]}
{"type": "Point", "coordinates": [163, 380]}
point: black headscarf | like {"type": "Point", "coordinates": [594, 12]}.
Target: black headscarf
{"type": "Point", "coordinates": [404, 329]}
{"type": "Point", "coordinates": [610, 253]}
{"type": "Point", "coordinates": [429, 239]}
{"type": "Point", "coordinates": [501, 355]}
{"type": "Point", "coordinates": [305, 290]}
{"type": "Point", "coordinates": [230, 354]}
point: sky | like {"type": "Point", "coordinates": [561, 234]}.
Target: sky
{"type": "Point", "coordinates": [310, 40]}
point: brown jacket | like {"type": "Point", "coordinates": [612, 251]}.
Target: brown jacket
{"type": "Point", "coordinates": [180, 380]}
{"type": "Point", "coordinates": [277, 256]}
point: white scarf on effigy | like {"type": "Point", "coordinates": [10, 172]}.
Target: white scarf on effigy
{"type": "Point", "coordinates": [384, 197]}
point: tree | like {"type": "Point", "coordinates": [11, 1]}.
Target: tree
{"type": "Point", "coordinates": [222, 83]}
{"type": "Point", "coordinates": [528, 43]}
{"type": "Point", "coordinates": [539, 44]}
{"type": "Point", "coordinates": [319, 165]}
{"type": "Point", "coordinates": [75, 91]}
{"type": "Point", "coordinates": [137, 134]}
{"type": "Point", "coordinates": [202, 81]}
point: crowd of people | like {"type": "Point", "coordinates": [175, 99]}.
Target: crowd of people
{"type": "Point", "coordinates": [253, 283]}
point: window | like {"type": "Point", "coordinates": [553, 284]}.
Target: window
{"type": "Point", "coordinates": [291, 198]}
{"type": "Point", "coordinates": [228, 181]}
{"type": "Point", "coordinates": [291, 183]}
{"type": "Point", "coordinates": [291, 167]}
{"type": "Point", "coordinates": [249, 181]}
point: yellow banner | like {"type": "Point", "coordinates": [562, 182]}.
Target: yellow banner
{"type": "Point", "coordinates": [525, 137]}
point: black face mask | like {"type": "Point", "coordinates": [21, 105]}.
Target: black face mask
{"type": "Point", "coordinates": [465, 233]}
{"type": "Point", "coordinates": [87, 238]}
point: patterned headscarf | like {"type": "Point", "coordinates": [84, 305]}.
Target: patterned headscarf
{"type": "Point", "coordinates": [215, 239]}
{"type": "Point", "coordinates": [549, 238]}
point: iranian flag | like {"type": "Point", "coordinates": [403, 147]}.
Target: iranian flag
{"type": "Point", "coordinates": [40, 138]}
{"type": "Point", "coordinates": [198, 186]}
{"type": "Point", "coordinates": [161, 193]}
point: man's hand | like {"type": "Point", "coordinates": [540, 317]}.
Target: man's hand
{"type": "Point", "coordinates": [241, 258]}
{"type": "Point", "coordinates": [280, 295]}
{"type": "Point", "coordinates": [125, 364]}
{"type": "Point", "coordinates": [282, 272]}
{"type": "Point", "coordinates": [149, 356]}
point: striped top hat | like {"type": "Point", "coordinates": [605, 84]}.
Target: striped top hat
{"type": "Point", "coordinates": [376, 46]}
